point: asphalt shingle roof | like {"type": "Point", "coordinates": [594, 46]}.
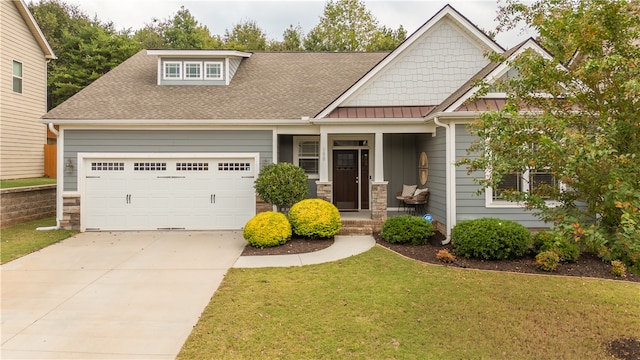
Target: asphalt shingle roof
{"type": "Point", "coordinates": [267, 85]}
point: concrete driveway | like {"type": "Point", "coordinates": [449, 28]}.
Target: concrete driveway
{"type": "Point", "coordinates": [119, 295]}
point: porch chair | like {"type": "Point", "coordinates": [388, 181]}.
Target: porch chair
{"type": "Point", "coordinates": [407, 192]}
{"type": "Point", "coordinates": [417, 203]}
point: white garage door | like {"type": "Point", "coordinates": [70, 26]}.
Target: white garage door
{"type": "Point", "coordinates": [159, 193]}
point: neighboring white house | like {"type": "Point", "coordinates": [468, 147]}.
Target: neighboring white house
{"type": "Point", "coordinates": [23, 92]}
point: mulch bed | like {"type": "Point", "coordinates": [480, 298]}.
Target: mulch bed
{"type": "Point", "coordinates": [588, 265]}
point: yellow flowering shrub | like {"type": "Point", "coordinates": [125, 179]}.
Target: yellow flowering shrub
{"type": "Point", "coordinates": [315, 218]}
{"type": "Point", "coordinates": [267, 229]}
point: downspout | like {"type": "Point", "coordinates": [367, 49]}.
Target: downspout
{"type": "Point", "coordinates": [57, 226]}
{"type": "Point", "coordinates": [448, 177]}
{"type": "Point", "coordinates": [53, 130]}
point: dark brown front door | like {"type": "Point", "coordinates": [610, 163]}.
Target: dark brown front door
{"type": "Point", "coordinates": [345, 179]}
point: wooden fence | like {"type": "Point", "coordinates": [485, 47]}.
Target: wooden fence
{"type": "Point", "coordinates": [50, 160]}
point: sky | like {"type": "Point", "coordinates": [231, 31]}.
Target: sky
{"type": "Point", "coordinates": [273, 17]}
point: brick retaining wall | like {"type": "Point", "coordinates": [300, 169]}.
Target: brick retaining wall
{"type": "Point", "coordinates": [19, 205]}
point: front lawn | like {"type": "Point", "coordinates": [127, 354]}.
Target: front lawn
{"type": "Point", "coordinates": [4, 184]}
{"type": "Point", "coordinates": [20, 240]}
{"type": "Point", "coordinates": [379, 305]}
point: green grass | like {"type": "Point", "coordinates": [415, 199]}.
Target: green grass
{"type": "Point", "coordinates": [4, 184]}
{"type": "Point", "coordinates": [20, 240]}
{"type": "Point", "coordinates": [379, 305]}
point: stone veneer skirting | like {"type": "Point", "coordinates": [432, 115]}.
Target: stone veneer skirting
{"type": "Point", "coordinates": [19, 205]}
{"type": "Point", "coordinates": [70, 212]}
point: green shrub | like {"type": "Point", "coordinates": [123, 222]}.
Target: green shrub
{"type": "Point", "coordinates": [490, 239]}
{"type": "Point", "coordinates": [547, 260]}
{"type": "Point", "coordinates": [282, 184]}
{"type": "Point", "coordinates": [267, 229]}
{"type": "Point", "coordinates": [550, 241]}
{"type": "Point", "coordinates": [406, 229]}
{"type": "Point", "coordinates": [315, 218]}
{"type": "Point", "coordinates": [618, 268]}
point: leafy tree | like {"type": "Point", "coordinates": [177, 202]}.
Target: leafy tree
{"type": "Point", "coordinates": [246, 35]}
{"type": "Point", "coordinates": [292, 40]}
{"type": "Point", "coordinates": [585, 127]}
{"type": "Point", "coordinates": [347, 25]}
{"type": "Point", "coordinates": [182, 31]}
{"type": "Point", "coordinates": [86, 49]}
{"type": "Point", "coordinates": [282, 184]}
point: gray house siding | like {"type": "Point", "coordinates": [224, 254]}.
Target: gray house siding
{"type": "Point", "coordinates": [163, 141]}
{"type": "Point", "coordinates": [285, 154]}
{"type": "Point", "coordinates": [400, 163]}
{"type": "Point", "coordinates": [470, 204]}
{"type": "Point", "coordinates": [435, 148]}
{"type": "Point", "coordinates": [234, 64]}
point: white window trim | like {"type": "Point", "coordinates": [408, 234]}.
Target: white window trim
{"type": "Point", "coordinates": [200, 75]}
{"type": "Point", "coordinates": [490, 202]}
{"type": "Point", "coordinates": [296, 159]}
{"type": "Point", "coordinates": [14, 76]}
{"type": "Point", "coordinates": [164, 70]}
{"type": "Point", "coordinates": [204, 70]}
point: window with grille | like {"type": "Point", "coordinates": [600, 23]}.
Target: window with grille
{"type": "Point", "coordinates": [107, 166]}
{"type": "Point", "coordinates": [193, 70]}
{"type": "Point", "coordinates": [173, 70]}
{"type": "Point", "coordinates": [307, 155]}
{"type": "Point", "coordinates": [150, 166]}
{"type": "Point", "coordinates": [234, 166]}
{"type": "Point", "coordinates": [213, 70]}
{"type": "Point", "coordinates": [192, 166]}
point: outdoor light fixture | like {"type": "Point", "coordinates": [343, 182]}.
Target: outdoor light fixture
{"type": "Point", "coordinates": [68, 166]}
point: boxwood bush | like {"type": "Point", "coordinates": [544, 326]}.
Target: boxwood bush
{"type": "Point", "coordinates": [282, 184]}
{"type": "Point", "coordinates": [550, 241]}
{"type": "Point", "coordinates": [490, 239]}
{"type": "Point", "coordinates": [406, 229]}
{"type": "Point", "coordinates": [315, 218]}
{"type": "Point", "coordinates": [267, 229]}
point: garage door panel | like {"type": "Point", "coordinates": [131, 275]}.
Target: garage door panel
{"type": "Point", "coordinates": [148, 194]}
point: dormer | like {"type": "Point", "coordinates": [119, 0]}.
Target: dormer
{"type": "Point", "coordinates": [197, 67]}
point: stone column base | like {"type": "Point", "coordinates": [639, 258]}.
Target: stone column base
{"type": "Point", "coordinates": [379, 201]}
{"type": "Point", "coordinates": [324, 190]}
{"type": "Point", "coordinates": [70, 212]}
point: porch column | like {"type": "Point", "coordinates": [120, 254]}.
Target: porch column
{"type": "Point", "coordinates": [324, 157]}
{"type": "Point", "coordinates": [324, 188]}
{"type": "Point", "coordinates": [378, 185]}
{"type": "Point", "coordinates": [378, 175]}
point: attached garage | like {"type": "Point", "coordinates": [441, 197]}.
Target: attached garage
{"type": "Point", "coordinates": [167, 191]}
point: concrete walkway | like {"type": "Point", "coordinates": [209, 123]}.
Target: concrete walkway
{"type": "Point", "coordinates": [125, 295]}
{"type": "Point", "coordinates": [343, 247]}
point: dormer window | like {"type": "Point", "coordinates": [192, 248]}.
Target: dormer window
{"type": "Point", "coordinates": [192, 70]}
{"type": "Point", "coordinates": [197, 67]}
{"type": "Point", "coordinates": [213, 70]}
{"type": "Point", "coordinates": [172, 70]}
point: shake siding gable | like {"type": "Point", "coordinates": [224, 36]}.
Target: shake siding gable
{"type": "Point", "coordinates": [161, 141]}
{"type": "Point", "coordinates": [427, 72]}
{"type": "Point", "coordinates": [22, 136]}
{"type": "Point", "coordinates": [471, 205]}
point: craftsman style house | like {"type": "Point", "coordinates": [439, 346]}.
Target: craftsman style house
{"type": "Point", "coordinates": [174, 139]}
{"type": "Point", "coordinates": [23, 92]}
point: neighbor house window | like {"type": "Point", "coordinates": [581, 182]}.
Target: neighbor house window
{"type": "Point", "coordinates": [306, 154]}
{"type": "Point", "coordinates": [17, 77]}
{"type": "Point", "coordinates": [173, 70]}
{"type": "Point", "coordinates": [193, 70]}
{"type": "Point", "coordinates": [213, 70]}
